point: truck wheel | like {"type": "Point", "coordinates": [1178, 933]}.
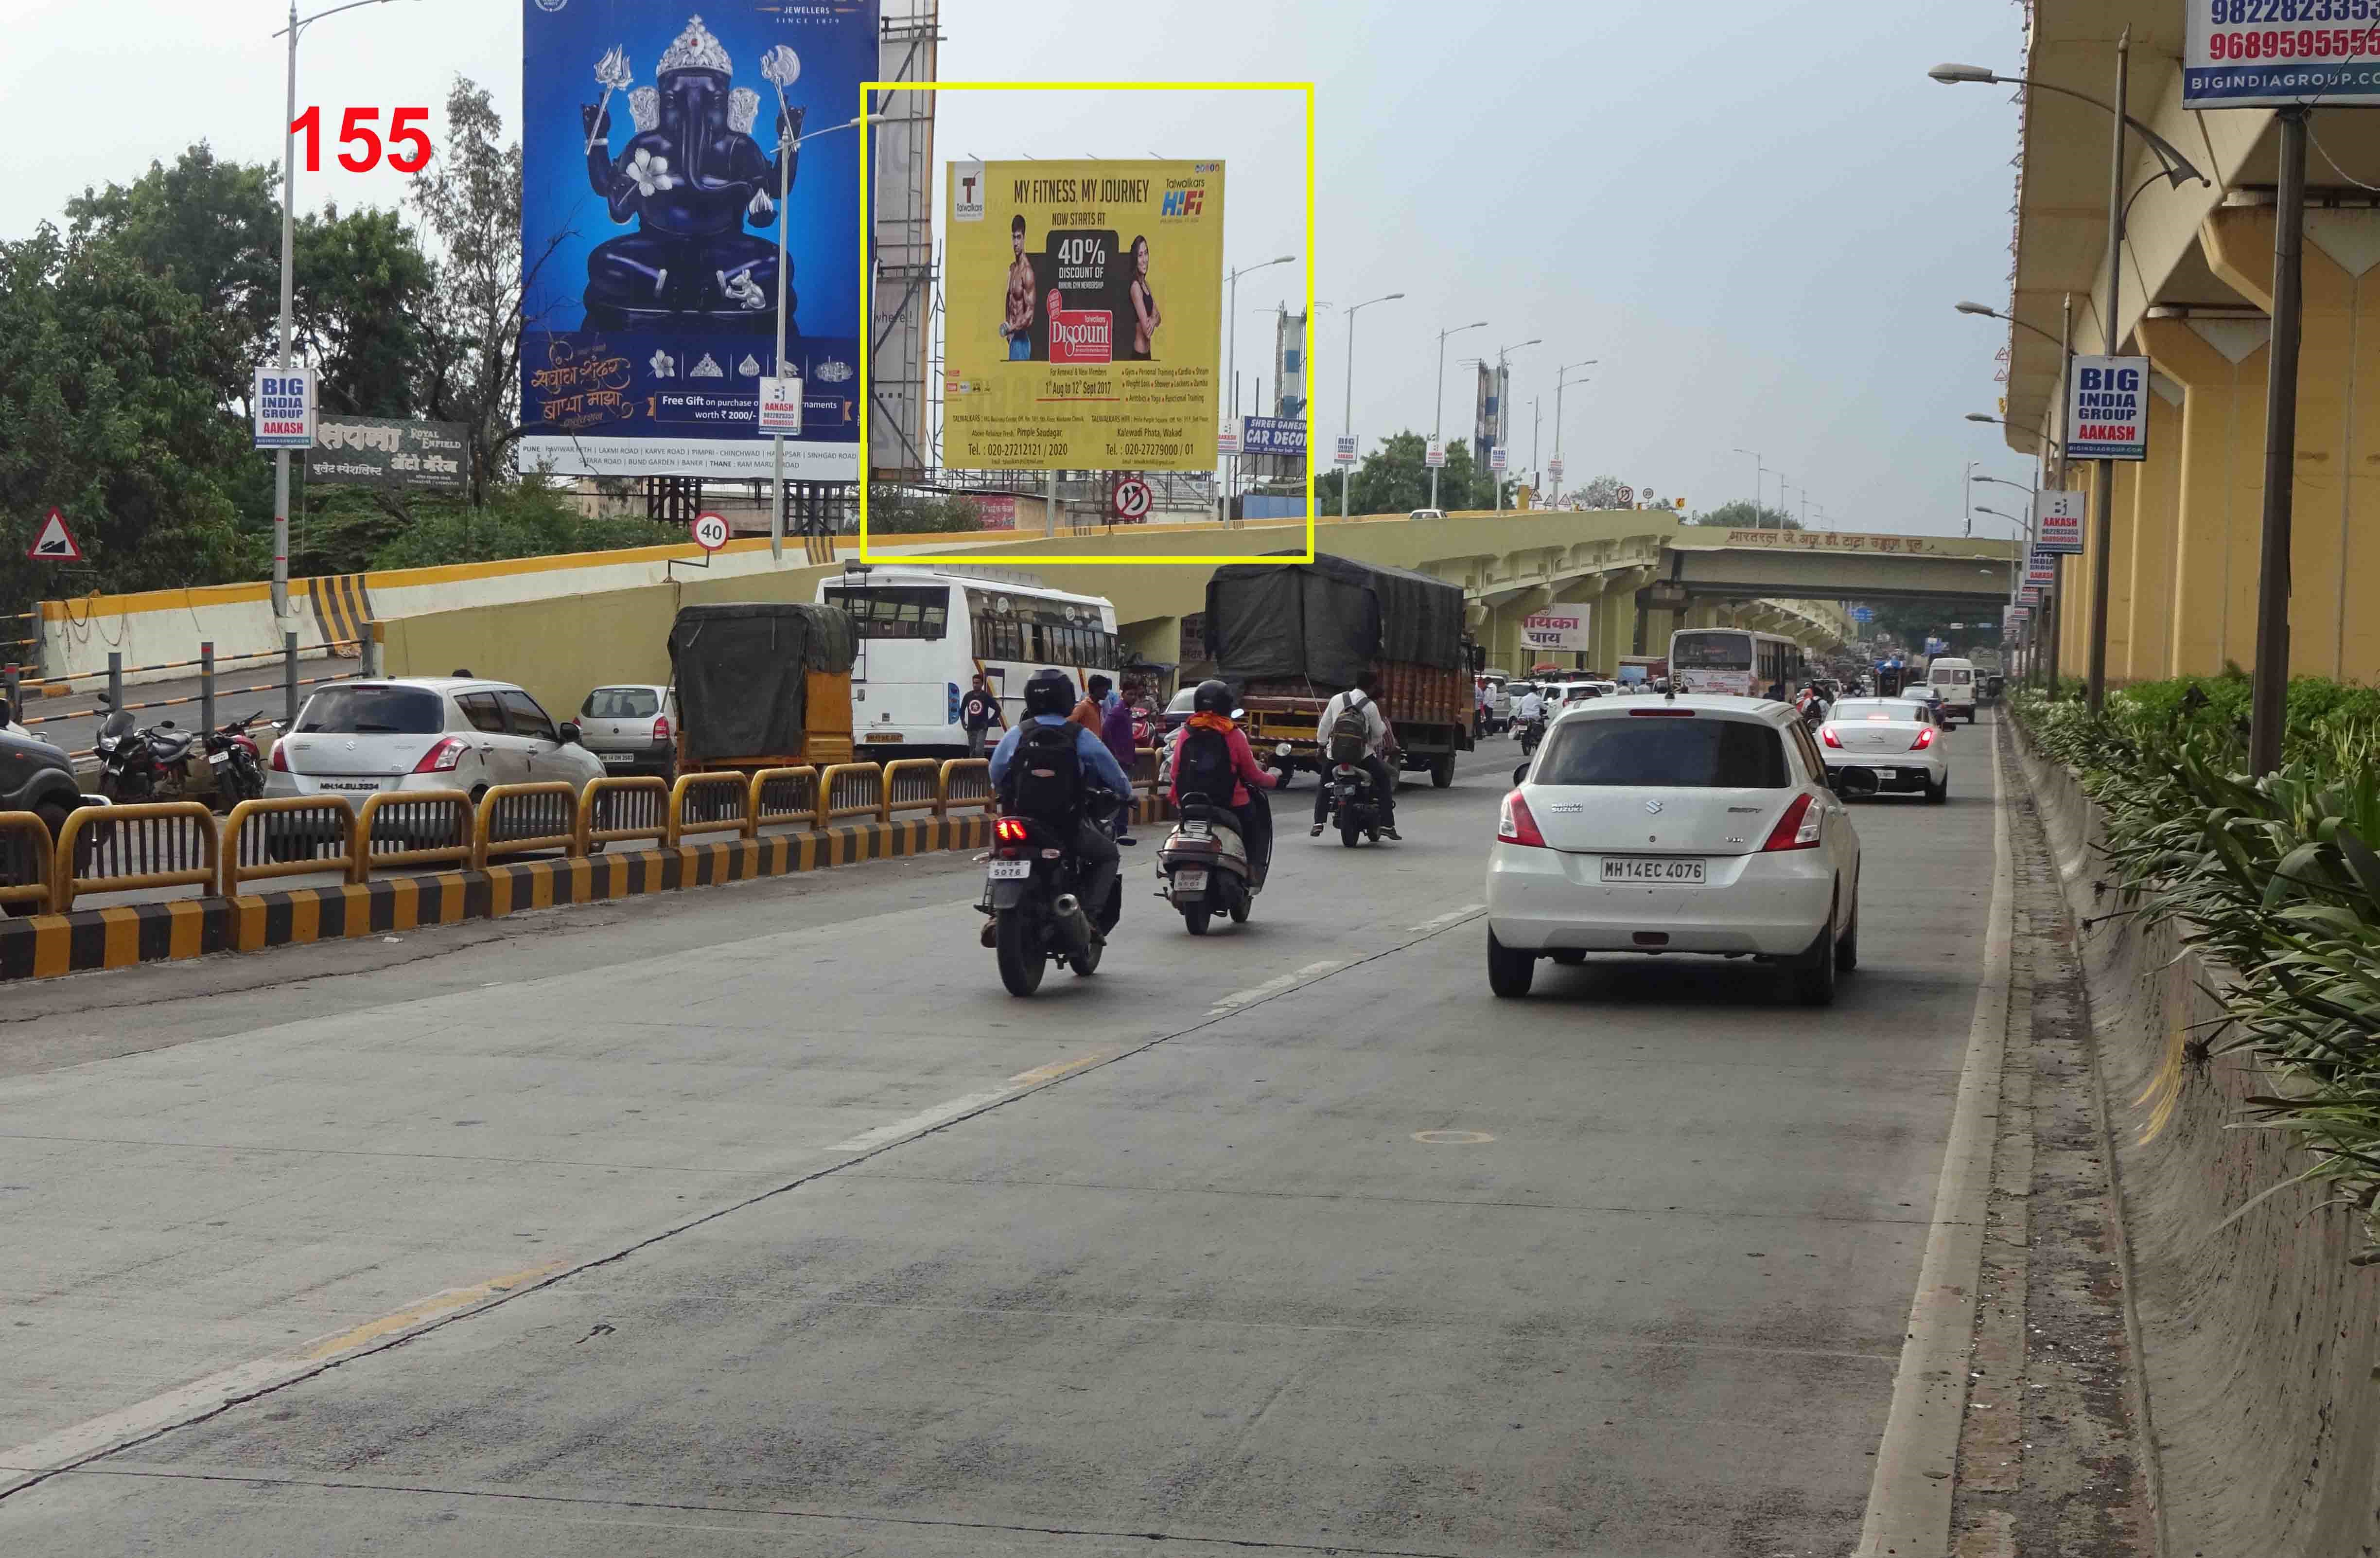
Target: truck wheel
{"type": "Point", "coordinates": [1442, 770]}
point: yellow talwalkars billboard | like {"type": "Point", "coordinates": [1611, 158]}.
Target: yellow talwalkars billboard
{"type": "Point", "coordinates": [1083, 315]}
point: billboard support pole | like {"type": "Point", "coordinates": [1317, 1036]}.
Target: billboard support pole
{"type": "Point", "coordinates": [2269, 714]}
{"type": "Point", "coordinates": [786, 144]}
{"type": "Point", "coordinates": [288, 247]}
{"type": "Point", "coordinates": [2095, 687]}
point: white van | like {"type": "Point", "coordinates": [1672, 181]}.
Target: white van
{"type": "Point", "coordinates": [1954, 680]}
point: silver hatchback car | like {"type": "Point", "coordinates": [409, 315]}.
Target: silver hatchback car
{"type": "Point", "coordinates": [631, 728]}
{"type": "Point", "coordinates": [425, 733]}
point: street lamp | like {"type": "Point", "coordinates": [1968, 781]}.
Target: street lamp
{"type": "Point", "coordinates": [1560, 378]}
{"type": "Point", "coordinates": [2176, 168]}
{"type": "Point", "coordinates": [288, 275]}
{"type": "Point", "coordinates": [1347, 473]}
{"type": "Point", "coordinates": [1437, 418]}
{"type": "Point", "coordinates": [1496, 434]}
{"type": "Point", "coordinates": [1232, 374]}
{"type": "Point", "coordinates": [1757, 472]}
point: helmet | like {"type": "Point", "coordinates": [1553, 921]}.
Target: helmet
{"type": "Point", "coordinates": [1213, 697]}
{"type": "Point", "coordinates": [1049, 692]}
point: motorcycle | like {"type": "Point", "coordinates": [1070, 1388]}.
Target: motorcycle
{"type": "Point", "coordinates": [1355, 810]}
{"type": "Point", "coordinates": [1205, 866]}
{"type": "Point", "coordinates": [1532, 732]}
{"type": "Point", "coordinates": [238, 768]}
{"type": "Point", "coordinates": [1031, 891]}
{"type": "Point", "coordinates": [136, 765]}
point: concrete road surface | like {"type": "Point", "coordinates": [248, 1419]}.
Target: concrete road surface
{"type": "Point", "coordinates": [759, 1220]}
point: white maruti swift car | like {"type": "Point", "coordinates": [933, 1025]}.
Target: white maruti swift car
{"type": "Point", "coordinates": [1700, 824]}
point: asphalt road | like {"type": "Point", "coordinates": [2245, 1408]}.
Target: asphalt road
{"type": "Point", "coordinates": [760, 1220]}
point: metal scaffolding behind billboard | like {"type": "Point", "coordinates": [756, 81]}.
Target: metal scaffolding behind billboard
{"type": "Point", "coordinates": [903, 287]}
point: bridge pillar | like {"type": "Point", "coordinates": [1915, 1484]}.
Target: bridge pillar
{"type": "Point", "coordinates": [2153, 526]}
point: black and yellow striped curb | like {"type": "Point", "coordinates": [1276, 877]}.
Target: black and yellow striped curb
{"type": "Point", "coordinates": [45, 945]}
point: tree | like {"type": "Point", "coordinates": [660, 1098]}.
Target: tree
{"type": "Point", "coordinates": [1601, 493]}
{"type": "Point", "coordinates": [363, 287]}
{"type": "Point", "coordinates": [519, 519]}
{"type": "Point", "coordinates": [471, 197]}
{"type": "Point", "coordinates": [1742, 516]}
{"type": "Point", "coordinates": [109, 409]}
{"type": "Point", "coordinates": [1394, 478]}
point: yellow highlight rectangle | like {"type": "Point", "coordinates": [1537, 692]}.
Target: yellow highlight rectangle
{"type": "Point", "coordinates": [867, 311]}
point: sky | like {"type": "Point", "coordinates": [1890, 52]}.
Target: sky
{"type": "Point", "coordinates": [1754, 216]}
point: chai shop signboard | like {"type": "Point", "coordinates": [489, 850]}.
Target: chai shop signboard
{"type": "Point", "coordinates": [1556, 630]}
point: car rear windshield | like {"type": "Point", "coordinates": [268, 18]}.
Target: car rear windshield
{"type": "Point", "coordinates": [622, 703]}
{"type": "Point", "coordinates": [1664, 752]}
{"type": "Point", "coordinates": [1877, 708]}
{"type": "Point", "coordinates": [374, 710]}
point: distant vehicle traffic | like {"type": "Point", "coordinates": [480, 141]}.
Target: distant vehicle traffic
{"type": "Point", "coordinates": [1427, 514]}
{"type": "Point", "coordinates": [633, 728]}
{"type": "Point", "coordinates": [425, 733]}
{"type": "Point", "coordinates": [1688, 824]}
{"type": "Point", "coordinates": [1736, 661]}
{"type": "Point", "coordinates": [1897, 739]}
{"type": "Point", "coordinates": [925, 633]}
{"type": "Point", "coordinates": [1954, 682]}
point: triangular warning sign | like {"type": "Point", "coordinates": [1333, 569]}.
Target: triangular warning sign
{"type": "Point", "coordinates": [55, 543]}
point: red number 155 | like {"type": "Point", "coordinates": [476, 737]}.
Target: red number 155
{"type": "Point", "coordinates": [356, 129]}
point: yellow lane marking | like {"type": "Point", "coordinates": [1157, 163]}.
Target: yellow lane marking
{"type": "Point", "coordinates": [436, 1304]}
{"type": "Point", "coordinates": [1056, 1070]}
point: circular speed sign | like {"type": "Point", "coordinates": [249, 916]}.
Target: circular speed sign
{"type": "Point", "coordinates": [709, 532]}
{"type": "Point", "coordinates": [1132, 498]}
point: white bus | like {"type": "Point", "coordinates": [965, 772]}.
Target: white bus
{"type": "Point", "coordinates": [924, 633]}
{"type": "Point", "coordinates": [1733, 661]}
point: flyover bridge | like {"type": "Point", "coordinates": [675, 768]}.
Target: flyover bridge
{"type": "Point", "coordinates": [1638, 575]}
{"type": "Point", "coordinates": [561, 624]}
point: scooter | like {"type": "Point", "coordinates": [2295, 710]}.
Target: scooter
{"type": "Point", "coordinates": [1355, 810]}
{"type": "Point", "coordinates": [1205, 868]}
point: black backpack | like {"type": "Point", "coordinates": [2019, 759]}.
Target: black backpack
{"type": "Point", "coordinates": [1044, 778]}
{"type": "Point", "coordinates": [1203, 766]}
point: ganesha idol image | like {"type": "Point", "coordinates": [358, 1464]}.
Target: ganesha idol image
{"type": "Point", "coordinates": [691, 178]}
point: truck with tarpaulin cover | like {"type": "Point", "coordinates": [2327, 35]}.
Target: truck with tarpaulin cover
{"type": "Point", "coordinates": [762, 685]}
{"type": "Point", "coordinates": [1290, 636]}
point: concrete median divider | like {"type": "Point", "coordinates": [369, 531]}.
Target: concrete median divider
{"type": "Point", "coordinates": [814, 820]}
{"type": "Point", "coordinates": [2257, 1340]}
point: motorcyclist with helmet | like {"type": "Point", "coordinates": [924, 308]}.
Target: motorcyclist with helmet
{"type": "Point", "coordinates": [1211, 757]}
{"type": "Point", "coordinates": [1049, 701]}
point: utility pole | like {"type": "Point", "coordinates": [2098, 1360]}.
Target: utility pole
{"type": "Point", "coordinates": [2268, 716]}
{"type": "Point", "coordinates": [2095, 688]}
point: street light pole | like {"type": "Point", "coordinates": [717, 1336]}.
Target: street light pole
{"type": "Point", "coordinates": [1347, 415]}
{"type": "Point", "coordinates": [1757, 472]}
{"type": "Point", "coordinates": [2268, 712]}
{"type": "Point", "coordinates": [288, 290]}
{"type": "Point", "coordinates": [1438, 418]}
{"type": "Point", "coordinates": [1232, 377]}
{"type": "Point", "coordinates": [1495, 439]}
{"type": "Point", "coordinates": [1561, 377]}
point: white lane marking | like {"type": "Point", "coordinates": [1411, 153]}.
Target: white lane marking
{"type": "Point", "coordinates": [924, 1119]}
{"type": "Point", "coordinates": [1233, 1002]}
{"type": "Point", "coordinates": [1908, 1502]}
{"type": "Point", "coordinates": [1453, 917]}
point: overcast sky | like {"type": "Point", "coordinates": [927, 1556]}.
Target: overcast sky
{"type": "Point", "coordinates": [1756, 213]}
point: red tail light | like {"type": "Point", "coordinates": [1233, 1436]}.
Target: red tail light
{"type": "Point", "coordinates": [1827, 734]}
{"type": "Point", "coordinates": [280, 756]}
{"type": "Point", "coordinates": [1516, 826]}
{"type": "Point", "coordinates": [1925, 739]}
{"type": "Point", "coordinates": [1009, 830]}
{"type": "Point", "coordinates": [443, 757]}
{"type": "Point", "coordinates": [660, 729]}
{"type": "Point", "coordinates": [1798, 829]}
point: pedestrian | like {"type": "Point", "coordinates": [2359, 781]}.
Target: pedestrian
{"type": "Point", "coordinates": [1094, 704]}
{"type": "Point", "coordinates": [1116, 731]}
{"type": "Point", "coordinates": [978, 711]}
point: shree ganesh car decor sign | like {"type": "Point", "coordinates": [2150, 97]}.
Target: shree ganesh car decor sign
{"type": "Point", "coordinates": [1829, 541]}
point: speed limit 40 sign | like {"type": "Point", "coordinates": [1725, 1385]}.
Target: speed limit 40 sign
{"type": "Point", "coordinates": [709, 532]}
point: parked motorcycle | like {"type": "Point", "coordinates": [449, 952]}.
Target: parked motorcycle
{"type": "Point", "coordinates": [1205, 866]}
{"type": "Point", "coordinates": [136, 765]}
{"type": "Point", "coordinates": [1031, 890]}
{"type": "Point", "coordinates": [238, 768]}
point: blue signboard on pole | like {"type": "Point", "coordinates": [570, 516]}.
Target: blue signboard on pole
{"type": "Point", "coordinates": [650, 145]}
{"type": "Point", "coordinates": [1272, 435]}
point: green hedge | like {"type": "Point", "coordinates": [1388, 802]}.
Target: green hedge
{"type": "Point", "coordinates": [2275, 878]}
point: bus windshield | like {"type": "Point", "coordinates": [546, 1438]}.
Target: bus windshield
{"type": "Point", "coordinates": [895, 611]}
{"type": "Point", "coordinates": [1711, 651]}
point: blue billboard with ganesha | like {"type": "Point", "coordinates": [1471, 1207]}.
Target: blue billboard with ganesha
{"type": "Point", "coordinates": [656, 136]}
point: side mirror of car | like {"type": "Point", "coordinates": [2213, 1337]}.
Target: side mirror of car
{"type": "Point", "coordinates": [569, 732]}
{"type": "Point", "coordinates": [1520, 774]}
{"type": "Point", "coordinates": [8, 711]}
